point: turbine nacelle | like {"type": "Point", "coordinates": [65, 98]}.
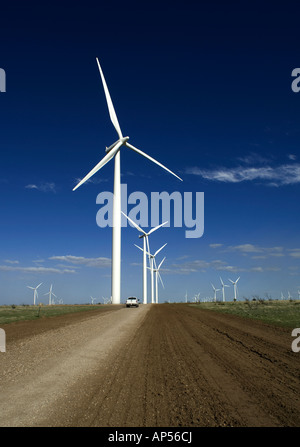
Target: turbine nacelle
{"type": "Point", "coordinates": [123, 140]}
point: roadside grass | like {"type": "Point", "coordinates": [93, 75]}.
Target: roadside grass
{"type": "Point", "coordinates": [9, 314]}
{"type": "Point", "coordinates": [275, 312]}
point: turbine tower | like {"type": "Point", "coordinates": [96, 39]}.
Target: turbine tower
{"type": "Point", "coordinates": [114, 151]}
{"type": "Point", "coordinates": [215, 292]}
{"type": "Point", "coordinates": [50, 293]}
{"type": "Point", "coordinates": [234, 287]}
{"type": "Point", "coordinates": [223, 288]}
{"type": "Point", "coordinates": [152, 259]}
{"type": "Point", "coordinates": [35, 293]}
{"type": "Point", "coordinates": [144, 235]}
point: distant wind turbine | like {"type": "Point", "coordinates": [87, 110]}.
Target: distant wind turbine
{"type": "Point", "coordinates": [93, 299]}
{"type": "Point", "coordinates": [113, 151]}
{"type": "Point", "coordinates": [157, 274]}
{"type": "Point", "coordinates": [234, 287]}
{"type": "Point", "coordinates": [152, 258]}
{"type": "Point", "coordinates": [50, 293]}
{"type": "Point", "coordinates": [215, 292]}
{"type": "Point", "coordinates": [145, 236]}
{"type": "Point", "coordinates": [35, 293]}
{"type": "Point", "coordinates": [223, 288]}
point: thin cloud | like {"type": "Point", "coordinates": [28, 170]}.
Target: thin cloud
{"type": "Point", "coordinates": [100, 262]}
{"type": "Point", "coordinates": [294, 252]}
{"type": "Point", "coordinates": [288, 174]}
{"type": "Point", "coordinates": [10, 268]}
{"type": "Point", "coordinates": [9, 261]}
{"type": "Point", "coordinates": [43, 187]}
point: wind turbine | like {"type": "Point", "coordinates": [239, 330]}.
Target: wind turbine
{"type": "Point", "coordinates": [114, 151]}
{"type": "Point", "coordinates": [152, 259]}
{"type": "Point", "coordinates": [35, 293]}
{"type": "Point", "coordinates": [50, 293]}
{"type": "Point", "coordinates": [223, 288]}
{"type": "Point", "coordinates": [93, 299]}
{"type": "Point", "coordinates": [234, 287]}
{"type": "Point", "coordinates": [197, 298]}
{"type": "Point", "coordinates": [157, 274]}
{"type": "Point", "coordinates": [144, 235]}
{"type": "Point", "coordinates": [282, 296]}
{"type": "Point", "coordinates": [299, 294]}
{"type": "Point", "coordinates": [289, 296]}
{"type": "Point", "coordinates": [215, 291]}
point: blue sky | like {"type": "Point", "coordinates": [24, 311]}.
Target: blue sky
{"type": "Point", "coordinates": [205, 90]}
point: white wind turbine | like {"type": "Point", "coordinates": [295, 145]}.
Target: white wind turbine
{"type": "Point", "coordinates": [234, 287]}
{"type": "Point", "coordinates": [35, 293]}
{"type": "Point", "coordinates": [144, 235]}
{"type": "Point", "coordinates": [157, 274]}
{"type": "Point", "coordinates": [152, 259]}
{"type": "Point", "coordinates": [215, 292]}
{"type": "Point", "coordinates": [223, 288]}
{"type": "Point", "coordinates": [92, 299]}
{"type": "Point", "coordinates": [299, 294]}
{"type": "Point", "coordinates": [50, 293]}
{"type": "Point", "coordinates": [197, 297]}
{"type": "Point", "coordinates": [114, 151]}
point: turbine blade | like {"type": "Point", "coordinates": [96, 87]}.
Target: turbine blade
{"type": "Point", "coordinates": [142, 249]}
{"type": "Point", "coordinates": [133, 223]}
{"type": "Point", "coordinates": [231, 281]}
{"type": "Point", "coordinates": [159, 250]}
{"type": "Point", "coordinates": [101, 163]}
{"type": "Point", "coordinates": [156, 228]}
{"type": "Point", "coordinates": [39, 285]}
{"type": "Point", "coordinates": [237, 279]}
{"type": "Point", "coordinates": [151, 159]}
{"type": "Point", "coordinates": [161, 263]}
{"type": "Point", "coordinates": [111, 109]}
{"type": "Point", "coordinates": [160, 279]}
{"type": "Point", "coordinates": [30, 287]}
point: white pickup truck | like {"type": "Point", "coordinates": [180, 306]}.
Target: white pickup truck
{"type": "Point", "coordinates": [132, 302]}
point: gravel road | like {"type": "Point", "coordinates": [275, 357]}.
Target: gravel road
{"type": "Point", "coordinates": [155, 366]}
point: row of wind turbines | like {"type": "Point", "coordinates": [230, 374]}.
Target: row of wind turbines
{"type": "Point", "coordinates": [50, 293]}
{"type": "Point", "coordinates": [113, 151]}
{"type": "Point", "coordinates": [223, 289]}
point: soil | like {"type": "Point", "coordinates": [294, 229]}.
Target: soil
{"type": "Point", "coordinates": [159, 365]}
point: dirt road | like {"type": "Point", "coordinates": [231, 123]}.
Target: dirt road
{"type": "Point", "coordinates": [165, 365]}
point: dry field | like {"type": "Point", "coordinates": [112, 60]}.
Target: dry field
{"type": "Point", "coordinates": [166, 365]}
